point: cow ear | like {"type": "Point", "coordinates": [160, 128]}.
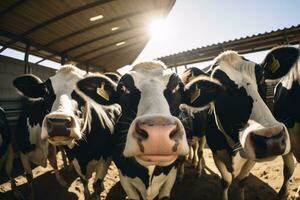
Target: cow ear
{"type": "Point", "coordinates": [201, 91]}
{"type": "Point", "coordinates": [30, 86]}
{"type": "Point", "coordinates": [99, 88]}
{"type": "Point", "coordinates": [279, 61]}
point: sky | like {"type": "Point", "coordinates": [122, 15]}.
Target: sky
{"type": "Point", "coordinates": [196, 23]}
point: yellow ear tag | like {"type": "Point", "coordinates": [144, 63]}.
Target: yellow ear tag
{"type": "Point", "coordinates": [274, 66]}
{"type": "Point", "coordinates": [196, 94]}
{"type": "Point", "coordinates": [101, 91]}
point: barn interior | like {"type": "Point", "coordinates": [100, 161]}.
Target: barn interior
{"type": "Point", "coordinates": [103, 36]}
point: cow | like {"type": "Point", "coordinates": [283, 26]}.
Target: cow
{"type": "Point", "coordinates": [70, 120]}
{"type": "Point", "coordinates": [148, 136]}
{"type": "Point", "coordinates": [195, 124]}
{"type": "Point", "coordinates": [242, 130]}
{"type": "Point", "coordinates": [7, 152]}
{"type": "Point", "coordinates": [29, 144]}
{"type": "Point", "coordinates": [286, 106]}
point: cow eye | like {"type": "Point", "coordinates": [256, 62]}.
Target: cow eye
{"type": "Point", "coordinates": [125, 90]}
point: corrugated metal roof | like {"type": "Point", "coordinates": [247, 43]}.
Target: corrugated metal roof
{"type": "Point", "coordinates": [248, 44]}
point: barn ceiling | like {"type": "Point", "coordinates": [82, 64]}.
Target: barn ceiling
{"type": "Point", "coordinates": [102, 34]}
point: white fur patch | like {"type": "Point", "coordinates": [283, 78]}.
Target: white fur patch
{"type": "Point", "coordinates": [155, 184]}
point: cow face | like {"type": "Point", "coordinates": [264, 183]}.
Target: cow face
{"type": "Point", "coordinates": [240, 112]}
{"type": "Point", "coordinates": [150, 100]}
{"type": "Point", "coordinates": [64, 121]}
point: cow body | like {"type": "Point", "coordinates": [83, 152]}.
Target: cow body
{"type": "Point", "coordinates": [148, 135]}
{"type": "Point", "coordinates": [29, 143]}
{"type": "Point", "coordinates": [195, 125]}
{"type": "Point", "coordinates": [241, 129]}
{"type": "Point", "coordinates": [65, 118]}
{"type": "Point", "coordinates": [7, 152]}
{"type": "Point", "coordinates": [286, 105]}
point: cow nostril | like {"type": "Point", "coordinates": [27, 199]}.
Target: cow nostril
{"type": "Point", "coordinates": [140, 133]}
{"type": "Point", "coordinates": [175, 134]}
{"type": "Point", "coordinates": [68, 123]}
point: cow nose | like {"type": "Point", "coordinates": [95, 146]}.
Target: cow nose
{"type": "Point", "coordinates": [157, 138]}
{"type": "Point", "coordinates": [269, 146]}
{"type": "Point", "coordinates": [59, 126]}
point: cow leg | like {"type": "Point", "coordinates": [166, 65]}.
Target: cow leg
{"type": "Point", "coordinates": [86, 192]}
{"type": "Point", "coordinates": [201, 162]}
{"type": "Point", "coordinates": [53, 162]}
{"type": "Point", "coordinates": [288, 171]}
{"type": "Point", "coordinates": [101, 172]}
{"type": "Point", "coordinates": [28, 172]}
{"type": "Point", "coordinates": [195, 160]}
{"type": "Point", "coordinates": [225, 174]}
{"type": "Point", "coordinates": [243, 177]}
{"type": "Point", "coordinates": [180, 174]}
{"type": "Point", "coordinates": [165, 191]}
{"type": "Point", "coordinates": [191, 153]}
{"type": "Point", "coordinates": [130, 190]}
{"type": "Point", "coordinates": [8, 168]}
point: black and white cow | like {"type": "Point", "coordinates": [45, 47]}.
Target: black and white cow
{"type": "Point", "coordinates": [7, 152]}
{"type": "Point", "coordinates": [78, 123]}
{"type": "Point", "coordinates": [286, 106]}
{"type": "Point", "coordinates": [36, 104]}
{"type": "Point", "coordinates": [195, 124]}
{"type": "Point", "coordinates": [148, 137]}
{"type": "Point", "coordinates": [242, 130]}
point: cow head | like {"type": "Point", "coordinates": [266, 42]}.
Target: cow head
{"type": "Point", "coordinates": [241, 114]}
{"type": "Point", "coordinates": [65, 110]}
{"type": "Point", "coordinates": [150, 101]}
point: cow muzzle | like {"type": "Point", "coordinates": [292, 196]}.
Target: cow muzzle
{"type": "Point", "coordinates": [266, 144]}
{"type": "Point", "coordinates": [156, 140]}
{"type": "Point", "coordinates": [269, 146]}
{"type": "Point", "coordinates": [60, 129]}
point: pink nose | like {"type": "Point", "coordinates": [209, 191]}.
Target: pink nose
{"type": "Point", "coordinates": [157, 139]}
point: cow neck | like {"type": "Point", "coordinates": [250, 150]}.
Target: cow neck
{"type": "Point", "coordinates": [233, 145]}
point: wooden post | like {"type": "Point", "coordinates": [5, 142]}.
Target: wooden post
{"type": "Point", "coordinates": [176, 69]}
{"type": "Point", "coordinates": [26, 56]}
{"type": "Point", "coordinates": [63, 60]}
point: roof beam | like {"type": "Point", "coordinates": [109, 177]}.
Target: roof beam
{"type": "Point", "coordinates": [113, 51]}
{"type": "Point", "coordinates": [64, 15]}
{"type": "Point", "coordinates": [11, 7]}
{"type": "Point", "coordinates": [126, 40]}
{"type": "Point", "coordinates": [83, 30]}
{"type": "Point", "coordinates": [101, 38]}
{"type": "Point", "coordinates": [36, 45]}
{"type": "Point", "coordinates": [59, 17]}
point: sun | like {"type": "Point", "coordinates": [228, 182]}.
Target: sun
{"type": "Point", "coordinates": [157, 27]}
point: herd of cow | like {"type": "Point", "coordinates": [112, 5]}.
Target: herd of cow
{"type": "Point", "coordinates": [148, 120]}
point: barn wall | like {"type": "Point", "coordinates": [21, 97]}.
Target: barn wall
{"type": "Point", "coordinates": [10, 68]}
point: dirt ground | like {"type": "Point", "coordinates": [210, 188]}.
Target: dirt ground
{"type": "Point", "coordinates": [264, 183]}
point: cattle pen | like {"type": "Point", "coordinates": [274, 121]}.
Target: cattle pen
{"type": "Point", "coordinates": [99, 36]}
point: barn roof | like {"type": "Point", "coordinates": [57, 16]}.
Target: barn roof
{"type": "Point", "coordinates": [249, 44]}
{"type": "Point", "coordinates": [59, 30]}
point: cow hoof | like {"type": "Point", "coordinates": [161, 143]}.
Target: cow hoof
{"type": "Point", "coordinates": [199, 174]}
